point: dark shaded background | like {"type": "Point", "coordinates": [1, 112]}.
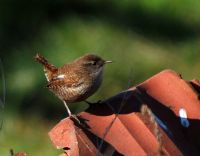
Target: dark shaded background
{"type": "Point", "coordinates": [141, 37]}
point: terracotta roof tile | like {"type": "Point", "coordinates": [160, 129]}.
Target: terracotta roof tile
{"type": "Point", "coordinates": [160, 116]}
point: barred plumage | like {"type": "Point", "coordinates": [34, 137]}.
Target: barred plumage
{"type": "Point", "coordinates": [75, 81]}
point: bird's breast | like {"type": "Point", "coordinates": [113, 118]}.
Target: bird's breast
{"type": "Point", "coordinates": [97, 80]}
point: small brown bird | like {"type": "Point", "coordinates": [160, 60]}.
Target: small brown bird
{"type": "Point", "coordinates": [75, 81]}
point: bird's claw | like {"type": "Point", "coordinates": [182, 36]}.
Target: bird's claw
{"type": "Point", "coordinates": [75, 118]}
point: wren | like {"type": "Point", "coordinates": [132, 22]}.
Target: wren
{"type": "Point", "coordinates": [75, 81]}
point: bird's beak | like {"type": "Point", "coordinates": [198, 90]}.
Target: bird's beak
{"type": "Point", "coordinates": [107, 62]}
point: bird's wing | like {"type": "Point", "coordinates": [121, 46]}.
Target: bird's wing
{"type": "Point", "coordinates": [67, 80]}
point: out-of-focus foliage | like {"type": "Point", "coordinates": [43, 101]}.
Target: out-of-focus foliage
{"type": "Point", "coordinates": [26, 134]}
{"type": "Point", "coordinates": [141, 37]}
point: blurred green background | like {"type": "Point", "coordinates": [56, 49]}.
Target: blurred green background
{"type": "Point", "coordinates": [141, 37]}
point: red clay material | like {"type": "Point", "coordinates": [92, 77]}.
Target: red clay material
{"type": "Point", "coordinates": [20, 154]}
{"type": "Point", "coordinates": [160, 116]}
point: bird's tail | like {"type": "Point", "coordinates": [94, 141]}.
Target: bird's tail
{"type": "Point", "coordinates": [39, 58]}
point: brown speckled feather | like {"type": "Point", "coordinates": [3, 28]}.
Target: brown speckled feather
{"type": "Point", "coordinates": [72, 76]}
{"type": "Point", "coordinates": [74, 81]}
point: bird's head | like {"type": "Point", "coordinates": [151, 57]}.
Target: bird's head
{"type": "Point", "coordinates": [92, 62]}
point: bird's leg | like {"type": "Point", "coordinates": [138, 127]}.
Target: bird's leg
{"type": "Point", "coordinates": [69, 112]}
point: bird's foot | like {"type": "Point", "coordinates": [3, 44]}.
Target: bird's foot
{"type": "Point", "coordinates": [75, 118]}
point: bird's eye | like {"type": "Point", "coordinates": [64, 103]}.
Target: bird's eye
{"type": "Point", "coordinates": [91, 63]}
